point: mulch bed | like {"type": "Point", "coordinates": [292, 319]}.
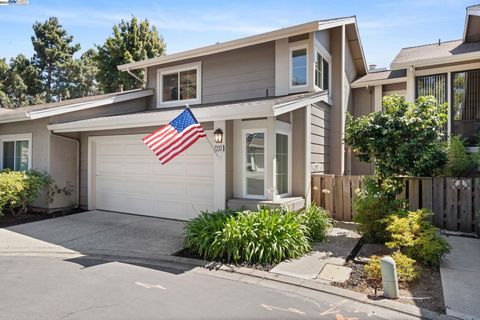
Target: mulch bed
{"type": "Point", "coordinates": [7, 220]}
{"type": "Point", "coordinates": [425, 293]}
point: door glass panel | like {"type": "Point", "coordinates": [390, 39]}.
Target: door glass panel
{"type": "Point", "coordinates": [21, 155]}
{"type": "Point", "coordinates": [299, 67]}
{"type": "Point", "coordinates": [255, 163]}
{"type": "Point", "coordinates": [8, 155]}
{"type": "Point", "coordinates": [282, 163]}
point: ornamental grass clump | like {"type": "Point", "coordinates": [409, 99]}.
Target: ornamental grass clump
{"type": "Point", "coordinates": [262, 237]}
{"type": "Point", "coordinates": [318, 222]}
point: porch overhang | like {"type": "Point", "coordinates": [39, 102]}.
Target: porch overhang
{"type": "Point", "coordinates": [255, 108]}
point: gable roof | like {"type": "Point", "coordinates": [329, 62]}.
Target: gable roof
{"type": "Point", "coordinates": [55, 108]}
{"type": "Point", "coordinates": [430, 54]}
{"type": "Point", "coordinates": [248, 41]}
{"type": "Point", "coordinates": [252, 108]}
{"type": "Point", "coordinates": [471, 30]}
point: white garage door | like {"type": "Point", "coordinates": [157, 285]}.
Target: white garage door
{"type": "Point", "coordinates": [129, 178]}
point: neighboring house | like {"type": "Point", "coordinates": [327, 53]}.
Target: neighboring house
{"type": "Point", "coordinates": [279, 98]}
{"type": "Point", "coordinates": [448, 70]}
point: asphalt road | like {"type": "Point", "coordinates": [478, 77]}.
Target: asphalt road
{"type": "Point", "coordinates": [83, 288]}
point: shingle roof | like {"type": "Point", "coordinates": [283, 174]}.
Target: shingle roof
{"type": "Point", "coordinates": [381, 75]}
{"type": "Point", "coordinates": [430, 51]}
{"type": "Point", "coordinates": [239, 109]}
{"type": "Point", "coordinates": [62, 103]}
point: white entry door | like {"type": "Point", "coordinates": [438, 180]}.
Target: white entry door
{"type": "Point", "coordinates": [129, 178]}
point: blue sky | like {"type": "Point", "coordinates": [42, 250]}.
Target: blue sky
{"type": "Point", "coordinates": [385, 26]}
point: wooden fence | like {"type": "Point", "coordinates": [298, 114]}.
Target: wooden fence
{"type": "Point", "coordinates": [455, 203]}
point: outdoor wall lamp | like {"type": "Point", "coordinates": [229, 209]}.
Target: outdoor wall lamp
{"type": "Point", "coordinates": [218, 136]}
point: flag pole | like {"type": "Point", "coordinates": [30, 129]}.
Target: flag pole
{"type": "Point", "coordinates": [206, 136]}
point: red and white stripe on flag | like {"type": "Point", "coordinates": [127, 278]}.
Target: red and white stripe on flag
{"type": "Point", "coordinates": [175, 137]}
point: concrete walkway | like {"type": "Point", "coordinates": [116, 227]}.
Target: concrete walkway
{"type": "Point", "coordinates": [325, 262]}
{"type": "Point", "coordinates": [460, 272]}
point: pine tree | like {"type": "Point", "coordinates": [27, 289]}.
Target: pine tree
{"type": "Point", "coordinates": [23, 84]}
{"type": "Point", "coordinates": [82, 75]}
{"type": "Point", "coordinates": [131, 41]}
{"type": "Point", "coordinates": [5, 101]}
{"type": "Point", "coordinates": [53, 54]}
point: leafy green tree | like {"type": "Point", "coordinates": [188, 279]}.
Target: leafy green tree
{"type": "Point", "coordinates": [131, 41]}
{"type": "Point", "coordinates": [82, 75]}
{"type": "Point", "coordinates": [403, 140]}
{"type": "Point", "coordinates": [53, 54]}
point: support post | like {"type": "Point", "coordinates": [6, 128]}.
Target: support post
{"type": "Point", "coordinates": [389, 277]}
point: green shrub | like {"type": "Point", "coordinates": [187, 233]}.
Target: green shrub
{"type": "Point", "coordinates": [407, 270]}
{"type": "Point", "coordinates": [318, 222]}
{"type": "Point", "coordinates": [264, 237]}
{"type": "Point", "coordinates": [460, 163]}
{"type": "Point", "coordinates": [20, 188]}
{"type": "Point", "coordinates": [201, 231]}
{"type": "Point", "coordinates": [373, 203]}
{"type": "Point", "coordinates": [416, 237]}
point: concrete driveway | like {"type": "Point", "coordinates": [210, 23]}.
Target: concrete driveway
{"type": "Point", "coordinates": [95, 233]}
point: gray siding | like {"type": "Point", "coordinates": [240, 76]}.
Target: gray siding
{"type": "Point", "coordinates": [320, 126]}
{"type": "Point", "coordinates": [244, 73]}
{"type": "Point", "coordinates": [323, 37]}
{"type": "Point", "coordinates": [363, 100]}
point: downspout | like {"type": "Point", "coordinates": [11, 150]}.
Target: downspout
{"type": "Point", "coordinates": [77, 142]}
{"type": "Point", "coordinates": [142, 81]}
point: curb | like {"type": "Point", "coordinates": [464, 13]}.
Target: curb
{"type": "Point", "coordinates": [167, 261]}
{"type": "Point", "coordinates": [224, 271]}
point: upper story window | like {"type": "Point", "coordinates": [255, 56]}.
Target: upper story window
{"type": "Point", "coordinates": [15, 152]}
{"type": "Point", "coordinates": [298, 67]}
{"type": "Point", "coordinates": [322, 71]}
{"type": "Point", "coordinates": [179, 85]}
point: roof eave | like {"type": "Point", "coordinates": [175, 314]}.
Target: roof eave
{"type": "Point", "coordinates": [265, 109]}
{"type": "Point", "coordinates": [435, 61]}
{"type": "Point", "coordinates": [43, 113]}
{"type": "Point", "coordinates": [364, 84]}
{"type": "Point", "coordinates": [238, 43]}
{"type": "Point", "coordinates": [7, 118]}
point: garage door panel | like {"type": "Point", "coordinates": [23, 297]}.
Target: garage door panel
{"type": "Point", "coordinates": [130, 178]}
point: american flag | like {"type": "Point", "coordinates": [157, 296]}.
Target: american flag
{"type": "Point", "coordinates": [175, 137]}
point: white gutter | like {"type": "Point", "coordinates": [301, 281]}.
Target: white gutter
{"type": "Point", "coordinates": [239, 43]}
{"type": "Point", "coordinates": [5, 118]}
{"type": "Point", "coordinates": [434, 61]}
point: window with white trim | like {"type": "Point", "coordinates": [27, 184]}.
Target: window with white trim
{"type": "Point", "coordinates": [254, 169]}
{"type": "Point", "coordinates": [322, 72]}
{"type": "Point", "coordinates": [16, 152]}
{"type": "Point", "coordinates": [179, 85]}
{"type": "Point", "coordinates": [298, 67]}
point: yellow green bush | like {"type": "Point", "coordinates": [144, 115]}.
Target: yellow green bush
{"type": "Point", "coordinates": [411, 233]}
{"type": "Point", "coordinates": [407, 270]}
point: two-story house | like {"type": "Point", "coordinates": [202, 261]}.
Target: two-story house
{"type": "Point", "coordinates": [447, 70]}
{"type": "Point", "coordinates": [276, 101]}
